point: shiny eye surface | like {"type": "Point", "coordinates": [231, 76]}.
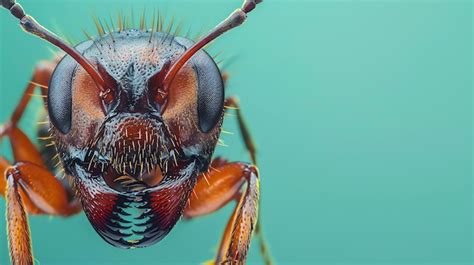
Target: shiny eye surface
{"type": "Point", "coordinates": [60, 91]}
{"type": "Point", "coordinates": [210, 101]}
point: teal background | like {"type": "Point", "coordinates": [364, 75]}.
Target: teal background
{"type": "Point", "coordinates": [361, 111]}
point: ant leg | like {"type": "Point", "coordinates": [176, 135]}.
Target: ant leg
{"type": "Point", "coordinates": [41, 76]}
{"type": "Point", "coordinates": [29, 183]}
{"type": "Point", "coordinates": [4, 164]}
{"type": "Point", "coordinates": [30, 188]}
{"type": "Point", "coordinates": [232, 103]}
{"type": "Point", "coordinates": [17, 226]}
{"type": "Point", "coordinates": [25, 152]}
{"type": "Point", "coordinates": [214, 189]}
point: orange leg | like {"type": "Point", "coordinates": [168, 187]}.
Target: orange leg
{"type": "Point", "coordinates": [41, 76]}
{"type": "Point", "coordinates": [228, 181]}
{"type": "Point", "coordinates": [34, 186]}
{"type": "Point", "coordinates": [233, 103]}
{"type": "Point", "coordinates": [17, 226]}
{"type": "Point", "coordinates": [27, 185]}
{"type": "Point", "coordinates": [23, 149]}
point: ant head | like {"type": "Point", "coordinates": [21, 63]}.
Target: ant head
{"type": "Point", "coordinates": [136, 105]}
{"type": "Point", "coordinates": [137, 110]}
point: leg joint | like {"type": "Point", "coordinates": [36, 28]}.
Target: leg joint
{"type": "Point", "coordinates": [250, 171]}
{"type": "Point", "coordinates": [12, 171]}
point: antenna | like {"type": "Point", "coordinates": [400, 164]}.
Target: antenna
{"type": "Point", "coordinates": [29, 24]}
{"type": "Point", "coordinates": [235, 19]}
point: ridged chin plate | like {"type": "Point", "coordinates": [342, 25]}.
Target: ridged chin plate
{"type": "Point", "coordinates": [136, 219]}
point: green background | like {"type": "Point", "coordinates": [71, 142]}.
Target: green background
{"type": "Point", "coordinates": [362, 115]}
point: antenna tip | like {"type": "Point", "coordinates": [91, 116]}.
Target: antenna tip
{"type": "Point", "coordinates": [14, 8]}
{"type": "Point", "coordinates": [17, 11]}
{"type": "Point", "coordinates": [7, 3]}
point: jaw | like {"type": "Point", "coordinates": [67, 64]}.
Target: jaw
{"type": "Point", "coordinates": [136, 218]}
{"type": "Point", "coordinates": [141, 178]}
{"type": "Point", "coordinates": [132, 152]}
{"type": "Point", "coordinates": [132, 183]}
{"type": "Point", "coordinates": [127, 183]}
{"type": "Point", "coordinates": [134, 178]}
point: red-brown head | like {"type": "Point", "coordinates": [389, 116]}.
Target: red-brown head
{"type": "Point", "coordinates": [135, 117]}
{"type": "Point", "coordinates": [136, 138]}
{"type": "Point", "coordinates": [135, 112]}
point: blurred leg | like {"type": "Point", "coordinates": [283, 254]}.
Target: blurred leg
{"type": "Point", "coordinates": [215, 189]}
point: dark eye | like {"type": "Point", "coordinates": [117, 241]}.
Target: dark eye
{"type": "Point", "coordinates": [210, 88]}
{"type": "Point", "coordinates": [60, 91]}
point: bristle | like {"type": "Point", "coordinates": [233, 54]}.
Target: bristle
{"type": "Point", "coordinates": [120, 21]}
{"type": "Point", "coordinates": [188, 33]}
{"type": "Point", "coordinates": [221, 143]}
{"type": "Point", "coordinates": [205, 178]}
{"type": "Point", "coordinates": [57, 164]}
{"type": "Point", "coordinates": [142, 21]}
{"type": "Point", "coordinates": [88, 36]}
{"type": "Point", "coordinates": [62, 172]}
{"type": "Point", "coordinates": [99, 26]}
{"type": "Point", "coordinates": [52, 143]}
{"type": "Point", "coordinates": [127, 22]}
{"type": "Point", "coordinates": [124, 20]}
{"type": "Point", "coordinates": [38, 85]}
{"type": "Point", "coordinates": [230, 107]}
{"type": "Point", "coordinates": [152, 26]}
{"type": "Point", "coordinates": [178, 28]}
{"type": "Point", "coordinates": [226, 132]}
{"type": "Point", "coordinates": [156, 23]}
{"type": "Point", "coordinates": [215, 56]}
{"type": "Point", "coordinates": [110, 30]}
{"type": "Point", "coordinates": [160, 22]}
{"type": "Point", "coordinates": [170, 25]}
{"type": "Point", "coordinates": [215, 169]}
{"type": "Point", "coordinates": [70, 39]}
{"type": "Point", "coordinates": [37, 95]}
{"type": "Point", "coordinates": [195, 195]}
{"type": "Point", "coordinates": [112, 22]}
{"type": "Point", "coordinates": [198, 34]}
{"type": "Point", "coordinates": [63, 35]}
{"type": "Point", "coordinates": [154, 19]}
{"type": "Point", "coordinates": [56, 156]}
{"type": "Point", "coordinates": [132, 16]}
{"type": "Point", "coordinates": [219, 61]}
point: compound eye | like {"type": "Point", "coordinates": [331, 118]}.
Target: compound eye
{"type": "Point", "coordinates": [210, 101]}
{"type": "Point", "coordinates": [210, 91]}
{"type": "Point", "coordinates": [60, 91]}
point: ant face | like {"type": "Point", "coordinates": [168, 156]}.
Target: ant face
{"type": "Point", "coordinates": [136, 137]}
{"type": "Point", "coordinates": [136, 116]}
